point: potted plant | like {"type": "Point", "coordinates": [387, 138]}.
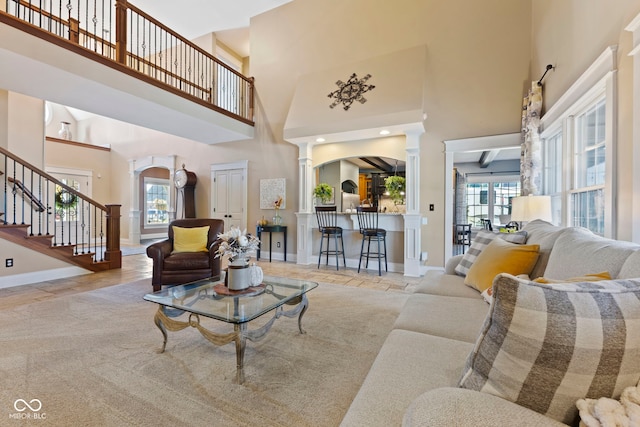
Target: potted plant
{"type": "Point", "coordinates": [323, 191]}
{"type": "Point", "coordinates": [395, 186]}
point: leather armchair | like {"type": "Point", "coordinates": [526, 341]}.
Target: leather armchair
{"type": "Point", "coordinates": [183, 267]}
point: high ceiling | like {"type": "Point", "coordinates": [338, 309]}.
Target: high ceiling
{"type": "Point", "coordinates": [229, 19]}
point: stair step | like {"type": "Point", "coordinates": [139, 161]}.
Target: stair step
{"type": "Point", "coordinates": [18, 233]}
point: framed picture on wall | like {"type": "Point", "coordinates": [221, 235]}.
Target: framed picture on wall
{"type": "Point", "coordinates": [270, 190]}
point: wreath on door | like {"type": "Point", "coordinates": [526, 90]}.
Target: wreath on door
{"type": "Point", "coordinates": [65, 200]}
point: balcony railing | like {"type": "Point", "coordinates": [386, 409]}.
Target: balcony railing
{"type": "Point", "coordinates": [125, 35]}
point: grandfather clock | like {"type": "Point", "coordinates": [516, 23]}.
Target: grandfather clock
{"type": "Point", "coordinates": [185, 182]}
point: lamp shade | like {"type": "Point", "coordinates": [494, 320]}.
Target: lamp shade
{"type": "Point", "coordinates": [528, 208]}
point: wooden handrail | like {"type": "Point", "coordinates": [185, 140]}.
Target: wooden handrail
{"type": "Point", "coordinates": [184, 40]}
{"type": "Point", "coordinates": [25, 191]}
{"type": "Point", "coordinates": [52, 179]}
{"type": "Point", "coordinates": [238, 105]}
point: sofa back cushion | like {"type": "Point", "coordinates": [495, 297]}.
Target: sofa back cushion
{"type": "Point", "coordinates": [578, 251]}
{"type": "Point", "coordinates": [631, 267]}
{"type": "Point", "coordinates": [543, 234]}
{"type": "Point", "coordinates": [544, 346]}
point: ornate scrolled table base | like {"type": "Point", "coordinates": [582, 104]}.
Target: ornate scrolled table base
{"type": "Point", "coordinates": [165, 322]}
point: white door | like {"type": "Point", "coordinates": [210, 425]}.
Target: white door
{"type": "Point", "coordinates": [229, 197]}
{"type": "Point", "coordinates": [72, 215]}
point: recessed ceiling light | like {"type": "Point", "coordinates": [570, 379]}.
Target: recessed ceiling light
{"type": "Point", "coordinates": [320, 139]}
{"type": "Point", "coordinates": [384, 132]}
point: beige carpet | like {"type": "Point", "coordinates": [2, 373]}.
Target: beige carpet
{"type": "Point", "coordinates": [91, 360]}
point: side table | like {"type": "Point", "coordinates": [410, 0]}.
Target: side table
{"type": "Point", "coordinates": [271, 229]}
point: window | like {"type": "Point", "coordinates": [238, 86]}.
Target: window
{"type": "Point", "coordinates": [156, 195]}
{"type": "Point", "coordinates": [578, 150]}
{"type": "Point", "coordinates": [587, 194]}
{"type": "Point", "coordinates": [552, 173]}
{"type": "Point", "coordinates": [490, 200]}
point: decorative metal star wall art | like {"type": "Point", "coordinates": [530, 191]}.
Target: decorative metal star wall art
{"type": "Point", "coordinates": [350, 91]}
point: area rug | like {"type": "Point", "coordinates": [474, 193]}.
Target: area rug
{"type": "Point", "coordinates": [92, 359]}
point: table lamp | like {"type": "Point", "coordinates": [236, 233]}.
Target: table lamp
{"type": "Point", "coordinates": [528, 208]}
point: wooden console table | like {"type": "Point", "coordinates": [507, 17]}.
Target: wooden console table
{"type": "Point", "coordinates": [271, 229]}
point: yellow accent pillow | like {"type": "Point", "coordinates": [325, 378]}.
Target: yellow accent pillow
{"type": "Point", "coordinates": [193, 239]}
{"type": "Point", "coordinates": [586, 278]}
{"type": "Point", "coordinates": [501, 257]}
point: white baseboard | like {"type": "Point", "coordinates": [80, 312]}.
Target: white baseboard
{"type": "Point", "coordinates": [41, 276]}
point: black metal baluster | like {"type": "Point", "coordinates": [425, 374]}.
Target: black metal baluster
{"type": "Point", "coordinates": [4, 221]}
{"type": "Point", "coordinates": [42, 204]}
{"type": "Point", "coordinates": [15, 184]}
{"type": "Point", "coordinates": [32, 203]}
{"type": "Point", "coordinates": [102, 247]}
{"type": "Point", "coordinates": [82, 229]}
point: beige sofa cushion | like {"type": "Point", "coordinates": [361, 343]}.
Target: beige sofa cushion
{"type": "Point", "coordinates": [578, 251]}
{"type": "Point", "coordinates": [436, 282]}
{"type": "Point", "coordinates": [543, 234]}
{"type": "Point", "coordinates": [408, 364]}
{"type": "Point", "coordinates": [448, 317]}
{"type": "Point", "coordinates": [631, 267]}
{"type": "Point", "coordinates": [449, 406]}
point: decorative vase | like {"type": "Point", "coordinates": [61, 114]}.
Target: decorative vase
{"type": "Point", "coordinates": [238, 275]}
{"type": "Point", "coordinates": [64, 132]}
{"type": "Point", "coordinates": [277, 219]}
{"type": "Point", "coordinates": [255, 275]}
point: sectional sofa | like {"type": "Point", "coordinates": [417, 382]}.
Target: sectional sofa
{"type": "Point", "coordinates": [414, 381]}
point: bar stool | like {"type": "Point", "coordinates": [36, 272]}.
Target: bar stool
{"type": "Point", "coordinates": [328, 224]}
{"type": "Point", "coordinates": [368, 222]}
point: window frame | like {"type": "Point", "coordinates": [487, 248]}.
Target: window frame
{"type": "Point", "coordinates": [598, 83]}
{"type": "Point", "coordinates": [490, 180]}
{"type": "Point", "coordinates": [155, 181]}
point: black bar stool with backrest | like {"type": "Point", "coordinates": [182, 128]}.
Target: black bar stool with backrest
{"type": "Point", "coordinates": [328, 224]}
{"type": "Point", "coordinates": [368, 222]}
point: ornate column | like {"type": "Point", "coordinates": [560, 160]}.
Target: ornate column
{"type": "Point", "coordinates": [413, 218]}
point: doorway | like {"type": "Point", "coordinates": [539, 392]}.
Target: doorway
{"type": "Point", "coordinates": [473, 158]}
{"type": "Point", "coordinates": [70, 215]}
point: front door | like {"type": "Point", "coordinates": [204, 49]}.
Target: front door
{"type": "Point", "coordinates": [71, 219]}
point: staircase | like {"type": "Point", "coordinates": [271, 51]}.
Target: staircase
{"type": "Point", "coordinates": [43, 214]}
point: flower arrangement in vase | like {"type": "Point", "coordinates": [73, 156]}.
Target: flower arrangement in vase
{"type": "Point", "coordinates": [277, 219]}
{"type": "Point", "coordinates": [323, 191]}
{"type": "Point", "coordinates": [237, 245]}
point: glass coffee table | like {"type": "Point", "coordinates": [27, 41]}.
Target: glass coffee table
{"type": "Point", "coordinates": [212, 299]}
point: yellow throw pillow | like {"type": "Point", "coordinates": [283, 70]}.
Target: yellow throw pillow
{"type": "Point", "coordinates": [586, 278]}
{"type": "Point", "coordinates": [193, 239]}
{"type": "Point", "coordinates": [501, 257]}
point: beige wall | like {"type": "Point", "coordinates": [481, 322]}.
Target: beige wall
{"type": "Point", "coordinates": [480, 57]}
{"type": "Point", "coordinates": [26, 128]}
{"type": "Point", "coordinates": [477, 66]}
{"type": "Point", "coordinates": [570, 35]}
